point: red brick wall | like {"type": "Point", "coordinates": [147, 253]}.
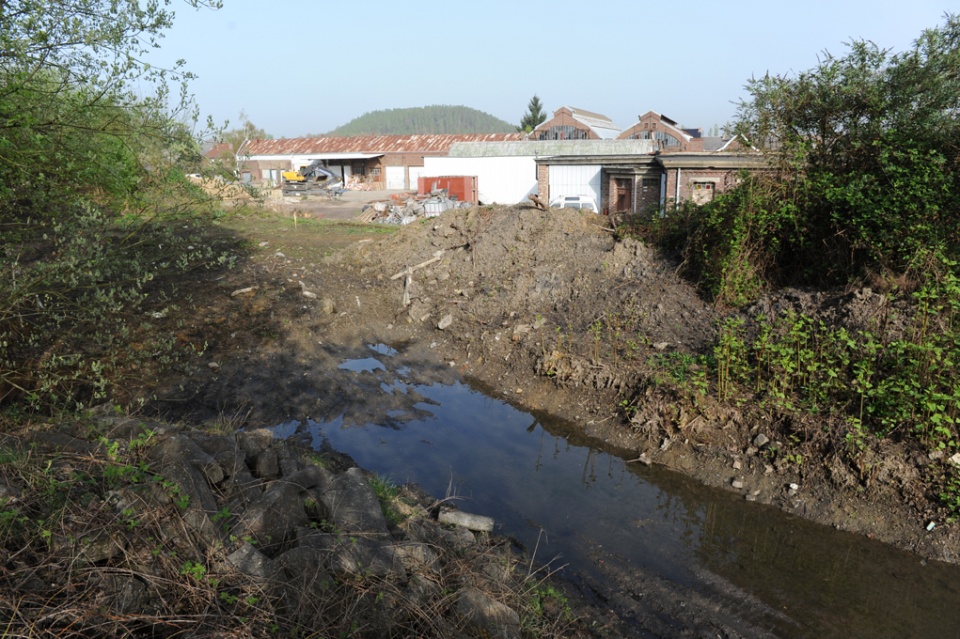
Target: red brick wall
{"type": "Point", "coordinates": [650, 123]}
{"type": "Point", "coordinates": [722, 178]}
{"type": "Point", "coordinates": [543, 182]}
{"type": "Point", "coordinates": [563, 117]}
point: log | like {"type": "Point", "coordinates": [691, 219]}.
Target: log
{"type": "Point", "coordinates": [410, 269]}
{"type": "Point", "coordinates": [537, 202]}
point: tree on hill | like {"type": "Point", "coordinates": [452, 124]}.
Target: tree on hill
{"type": "Point", "coordinates": [423, 120]}
{"type": "Point", "coordinates": [534, 116]}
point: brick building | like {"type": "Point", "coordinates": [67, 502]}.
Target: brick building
{"type": "Point", "coordinates": [382, 161]}
{"type": "Point", "coordinates": [652, 166]}
{"type": "Point", "coordinates": [569, 123]}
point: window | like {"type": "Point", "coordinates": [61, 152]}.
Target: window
{"type": "Point", "coordinates": [565, 132]}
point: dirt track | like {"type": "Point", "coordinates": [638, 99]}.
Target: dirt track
{"type": "Point", "coordinates": [545, 307]}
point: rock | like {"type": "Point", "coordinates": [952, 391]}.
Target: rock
{"type": "Point", "coordinates": [353, 505]}
{"type": "Point", "coordinates": [9, 494]}
{"type": "Point", "coordinates": [267, 465]}
{"type": "Point", "coordinates": [955, 459]}
{"type": "Point", "coordinates": [310, 477]}
{"type": "Point", "coordinates": [225, 451]}
{"type": "Point", "coordinates": [249, 290]}
{"type": "Point", "coordinates": [355, 556]}
{"type": "Point", "coordinates": [274, 517]}
{"type": "Point", "coordinates": [429, 533]}
{"type": "Point", "coordinates": [124, 594]}
{"type": "Point", "coordinates": [192, 469]}
{"type": "Point", "coordinates": [302, 585]}
{"type": "Point", "coordinates": [466, 520]}
{"type": "Point", "coordinates": [253, 442]}
{"type": "Point", "coordinates": [100, 547]}
{"type": "Point", "coordinates": [417, 557]}
{"type": "Point", "coordinates": [737, 484]}
{"type": "Point", "coordinates": [761, 440]}
{"type": "Point", "coordinates": [445, 322]}
{"type": "Point", "coordinates": [486, 617]}
{"type": "Point", "coordinates": [251, 562]}
{"type": "Point", "coordinates": [327, 306]}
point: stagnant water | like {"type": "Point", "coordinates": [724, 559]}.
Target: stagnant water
{"type": "Point", "coordinates": [572, 503]}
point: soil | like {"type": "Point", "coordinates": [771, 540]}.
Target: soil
{"type": "Point", "coordinates": [556, 315]}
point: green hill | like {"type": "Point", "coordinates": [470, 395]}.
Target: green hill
{"type": "Point", "coordinates": [429, 119]}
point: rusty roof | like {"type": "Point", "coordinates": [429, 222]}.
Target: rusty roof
{"type": "Point", "coordinates": [380, 144]}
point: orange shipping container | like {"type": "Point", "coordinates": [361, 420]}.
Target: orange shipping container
{"type": "Point", "coordinates": [463, 188]}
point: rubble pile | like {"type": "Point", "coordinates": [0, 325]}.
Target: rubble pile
{"type": "Point", "coordinates": [411, 209]}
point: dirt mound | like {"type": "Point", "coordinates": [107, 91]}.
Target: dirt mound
{"type": "Point", "coordinates": [519, 282]}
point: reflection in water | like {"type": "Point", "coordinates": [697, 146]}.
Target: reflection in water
{"type": "Point", "coordinates": [572, 502]}
{"type": "Point", "coordinates": [364, 365]}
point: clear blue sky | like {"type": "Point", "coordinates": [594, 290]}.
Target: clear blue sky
{"type": "Point", "coordinates": [308, 67]}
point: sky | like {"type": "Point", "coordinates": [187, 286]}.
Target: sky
{"type": "Point", "coordinates": [298, 67]}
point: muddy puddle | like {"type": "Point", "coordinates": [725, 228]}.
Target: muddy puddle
{"type": "Point", "coordinates": [574, 505]}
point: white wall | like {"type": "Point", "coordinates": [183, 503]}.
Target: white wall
{"type": "Point", "coordinates": [500, 180]}
{"type": "Point", "coordinates": [414, 172]}
{"type": "Point", "coordinates": [396, 177]}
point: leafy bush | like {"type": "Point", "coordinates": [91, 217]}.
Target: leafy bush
{"type": "Point", "coordinates": [863, 173]}
{"type": "Point", "coordinates": [93, 198]}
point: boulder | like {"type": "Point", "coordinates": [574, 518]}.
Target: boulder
{"type": "Point", "coordinates": [486, 617]}
{"type": "Point", "coordinates": [353, 505]}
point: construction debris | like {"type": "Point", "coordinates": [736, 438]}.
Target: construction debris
{"type": "Point", "coordinates": [537, 202]}
{"type": "Point", "coordinates": [410, 210]}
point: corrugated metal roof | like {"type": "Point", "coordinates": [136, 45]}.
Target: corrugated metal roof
{"type": "Point", "coordinates": [375, 144]}
{"type": "Point", "coordinates": [601, 124]}
{"type": "Point", "coordinates": [590, 115]}
{"type": "Point", "coordinates": [545, 148]}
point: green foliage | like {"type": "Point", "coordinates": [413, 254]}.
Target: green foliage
{"type": "Point", "coordinates": [387, 493]}
{"type": "Point", "coordinates": [94, 205]}
{"type": "Point", "coordinates": [683, 370]}
{"type": "Point", "coordinates": [546, 609]}
{"type": "Point", "coordinates": [534, 116]}
{"type": "Point", "coordinates": [424, 120]}
{"type": "Point", "coordinates": [879, 385]}
{"type": "Point", "coordinates": [194, 570]}
{"type": "Point", "coordinates": [950, 495]}
{"type": "Point", "coordinates": [863, 173]}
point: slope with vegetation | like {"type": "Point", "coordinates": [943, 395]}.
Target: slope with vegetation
{"type": "Point", "coordinates": [863, 192]}
{"type": "Point", "coordinates": [94, 205]}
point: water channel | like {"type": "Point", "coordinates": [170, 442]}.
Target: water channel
{"type": "Point", "coordinates": [574, 504]}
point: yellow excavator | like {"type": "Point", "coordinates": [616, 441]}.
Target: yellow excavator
{"type": "Point", "coordinates": [313, 178]}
